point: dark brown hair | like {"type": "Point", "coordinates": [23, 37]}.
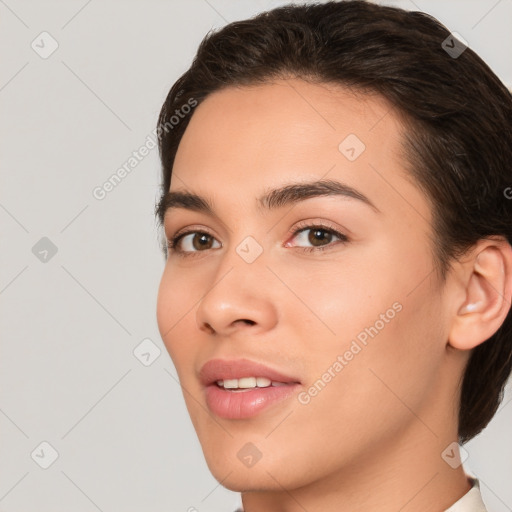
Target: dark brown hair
{"type": "Point", "coordinates": [457, 115]}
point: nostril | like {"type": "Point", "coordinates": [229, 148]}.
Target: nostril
{"type": "Point", "coordinates": [209, 327]}
{"type": "Point", "coordinates": [250, 322]}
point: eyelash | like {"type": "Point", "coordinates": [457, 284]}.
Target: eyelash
{"type": "Point", "coordinates": [172, 244]}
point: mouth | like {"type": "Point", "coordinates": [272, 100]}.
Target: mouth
{"type": "Point", "coordinates": [242, 373]}
{"type": "Point", "coordinates": [248, 383]}
{"type": "Point", "coordinates": [238, 389]}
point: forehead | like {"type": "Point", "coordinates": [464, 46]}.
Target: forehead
{"type": "Point", "coordinates": [298, 112]}
{"type": "Point", "coordinates": [241, 141]}
{"type": "Point", "coordinates": [286, 121]}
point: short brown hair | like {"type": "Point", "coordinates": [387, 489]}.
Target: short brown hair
{"type": "Point", "coordinates": [458, 148]}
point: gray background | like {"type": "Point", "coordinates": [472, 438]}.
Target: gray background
{"type": "Point", "coordinates": [70, 324]}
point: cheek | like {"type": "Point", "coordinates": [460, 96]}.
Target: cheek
{"type": "Point", "coordinates": [177, 295]}
{"type": "Point", "coordinates": [344, 294]}
{"type": "Point", "coordinates": [364, 400]}
{"type": "Point", "coordinates": [380, 315]}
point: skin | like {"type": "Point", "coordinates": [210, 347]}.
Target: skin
{"type": "Point", "coordinates": [373, 437]}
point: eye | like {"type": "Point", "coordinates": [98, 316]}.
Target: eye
{"type": "Point", "coordinates": [191, 242]}
{"type": "Point", "coordinates": [320, 236]}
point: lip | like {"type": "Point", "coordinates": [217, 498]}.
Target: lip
{"type": "Point", "coordinates": [220, 369]}
{"type": "Point", "coordinates": [246, 403]}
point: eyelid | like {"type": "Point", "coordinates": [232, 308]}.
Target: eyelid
{"type": "Point", "coordinates": [170, 234]}
{"type": "Point", "coordinates": [193, 228]}
{"type": "Point", "coordinates": [311, 223]}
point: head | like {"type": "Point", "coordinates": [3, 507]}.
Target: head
{"type": "Point", "coordinates": [409, 302]}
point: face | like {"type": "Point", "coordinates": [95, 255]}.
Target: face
{"type": "Point", "coordinates": [335, 292]}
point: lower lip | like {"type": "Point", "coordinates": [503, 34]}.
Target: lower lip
{"type": "Point", "coordinates": [248, 403]}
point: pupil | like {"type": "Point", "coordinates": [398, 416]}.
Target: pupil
{"type": "Point", "coordinates": [201, 244]}
{"type": "Point", "coordinates": [317, 236]}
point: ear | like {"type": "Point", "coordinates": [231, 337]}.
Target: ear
{"type": "Point", "coordinates": [486, 286]}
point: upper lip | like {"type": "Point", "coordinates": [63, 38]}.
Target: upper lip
{"type": "Point", "coordinates": [221, 369]}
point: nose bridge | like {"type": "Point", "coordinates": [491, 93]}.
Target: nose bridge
{"type": "Point", "coordinates": [247, 258]}
{"type": "Point", "coordinates": [237, 291]}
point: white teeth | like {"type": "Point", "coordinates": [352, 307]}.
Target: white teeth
{"type": "Point", "coordinates": [230, 383]}
{"type": "Point", "coordinates": [248, 382]}
{"type": "Point", "coordinates": [262, 382]}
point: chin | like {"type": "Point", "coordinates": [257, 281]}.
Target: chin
{"type": "Point", "coordinates": [269, 473]}
{"type": "Point", "coordinates": [238, 479]}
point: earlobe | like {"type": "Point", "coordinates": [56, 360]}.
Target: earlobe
{"type": "Point", "coordinates": [487, 294]}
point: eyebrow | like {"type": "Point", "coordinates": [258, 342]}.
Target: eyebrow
{"type": "Point", "coordinates": [288, 194]}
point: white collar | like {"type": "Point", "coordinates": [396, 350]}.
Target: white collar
{"type": "Point", "coordinates": [470, 502]}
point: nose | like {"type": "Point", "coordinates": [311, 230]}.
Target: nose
{"type": "Point", "coordinates": [239, 297]}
